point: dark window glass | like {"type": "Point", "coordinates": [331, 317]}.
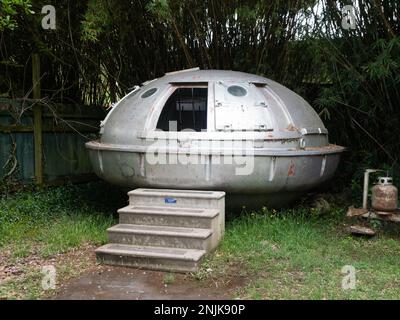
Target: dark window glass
{"type": "Point", "coordinates": [237, 91]}
{"type": "Point", "coordinates": [149, 93]}
{"type": "Point", "coordinates": [186, 108]}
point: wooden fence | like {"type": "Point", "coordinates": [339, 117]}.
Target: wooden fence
{"type": "Point", "coordinates": [43, 142]}
{"type": "Point", "coordinates": [50, 150]}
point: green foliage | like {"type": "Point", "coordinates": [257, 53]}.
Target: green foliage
{"type": "Point", "coordinates": [169, 278]}
{"type": "Point", "coordinates": [159, 8]}
{"type": "Point", "coordinates": [295, 254]}
{"type": "Point", "coordinates": [38, 225]}
{"type": "Point", "coordinates": [101, 48]}
{"type": "Point", "coordinates": [9, 11]}
{"type": "Point", "coordinates": [248, 14]}
{"type": "Point", "coordinates": [96, 20]}
{"type": "Point", "coordinates": [60, 217]}
{"type": "Point", "coordinates": [386, 62]}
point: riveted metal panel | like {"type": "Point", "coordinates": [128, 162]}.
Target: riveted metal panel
{"type": "Point", "coordinates": [249, 112]}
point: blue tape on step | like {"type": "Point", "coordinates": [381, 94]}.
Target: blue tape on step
{"type": "Point", "coordinates": [170, 200]}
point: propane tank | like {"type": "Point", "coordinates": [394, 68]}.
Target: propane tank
{"type": "Point", "coordinates": [384, 196]}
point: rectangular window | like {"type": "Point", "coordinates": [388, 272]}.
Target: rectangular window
{"type": "Point", "coordinates": [186, 108]}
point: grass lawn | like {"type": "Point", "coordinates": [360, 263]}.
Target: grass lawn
{"type": "Point", "coordinates": [294, 255]}
{"type": "Point", "coordinates": [289, 254]}
{"type": "Point", "coordinates": [38, 226]}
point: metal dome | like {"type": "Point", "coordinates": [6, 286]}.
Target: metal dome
{"type": "Point", "coordinates": [187, 121]}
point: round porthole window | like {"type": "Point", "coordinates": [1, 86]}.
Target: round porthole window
{"type": "Point", "coordinates": [149, 93]}
{"type": "Point", "coordinates": [237, 91]}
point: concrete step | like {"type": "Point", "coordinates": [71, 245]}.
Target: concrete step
{"type": "Point", "coordinates": [173, 217]}
{"type": "Point", "coordinates": [178, 198]}
{"type": "Point", "coordinates": [194, 199]}
{"type": "Point", "coordinates": [161, 236]}
{"type": "Point", "coordinates": [156, 258]}
{"type": "Point", "coordinates": [166, 229]}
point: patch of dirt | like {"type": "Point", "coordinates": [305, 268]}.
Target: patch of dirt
{"type": "Point", "coordinates": [109, 282]}
{"type": "Point", "coordinates": [136, 284]}
{"type": "Point", "coordinates": [11, 267]}
{"type": "Point", "coordinates": [67, 265]}
{"type": "Point", "coordinates": [4, 256]}
{"type": "Point", "coordinates": [79, 276]}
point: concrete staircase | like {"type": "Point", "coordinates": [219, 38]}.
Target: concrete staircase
{"type": "Point", "coordinates": [164, 229]}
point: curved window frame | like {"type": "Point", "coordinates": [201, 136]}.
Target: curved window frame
{"type": "Point", "coordinates": [150, 129]}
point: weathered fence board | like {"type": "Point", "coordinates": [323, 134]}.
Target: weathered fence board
{"type": "Point", "coordinates": [65, 129]}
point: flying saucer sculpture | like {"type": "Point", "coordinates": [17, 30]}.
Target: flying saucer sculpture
{"type": "Point", "coordinates": [240, 133]}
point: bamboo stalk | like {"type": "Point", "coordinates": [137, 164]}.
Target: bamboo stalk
{"type": "Point", "coordinates": [37, 120]}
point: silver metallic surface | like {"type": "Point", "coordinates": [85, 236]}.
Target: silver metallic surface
{"type": "Point", "coordinates": [282, 136]}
